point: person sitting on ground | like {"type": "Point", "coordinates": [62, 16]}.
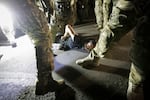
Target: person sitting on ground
{"type": "Point", "coordinates": [72, 40]}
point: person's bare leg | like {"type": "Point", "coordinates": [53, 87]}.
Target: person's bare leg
{"type": "Point", "coordinates": [69, 31]}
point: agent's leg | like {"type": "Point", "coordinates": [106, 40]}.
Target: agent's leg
{"type": "Point", "coordinates": [44, 56]}
{"type": "Point", "coordinates": [45, 81]}
{"type": "Point", "coordinates": [106, 11]}
{"type": "Point", "coordinates": [102, 12]}
{"type": "Point", "coordinates": [119, 23]}
{"type": "Point", "coordinates": [35, 23]}
{"type": "Point", "coordinates": [99, 50]}
{"type": "Point", "coordinates": [99, 13]}
{"type": "Point", "coordinates": [135, 84]}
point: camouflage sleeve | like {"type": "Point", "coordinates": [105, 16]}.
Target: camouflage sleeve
{"type": "Point", "coordinates": [31, 20]}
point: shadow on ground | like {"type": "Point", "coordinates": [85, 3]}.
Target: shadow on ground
{"type": "Point", "coordinates": [106, 87]}
{"type": "Point", "coordinates": [66, 93]}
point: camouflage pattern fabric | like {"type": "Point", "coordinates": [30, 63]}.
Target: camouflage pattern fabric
{"type": "Point", "coordinates": [114, 19]}
{"type": "Point", "coordinates": [117, 19]}
{"type": "Point", "coordinates": [34, 23]}
{"type": "Point", "coordinates": [138, 87]}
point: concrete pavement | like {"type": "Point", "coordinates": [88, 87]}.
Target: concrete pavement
{"type": "Point", "coordinates": [105, 82]}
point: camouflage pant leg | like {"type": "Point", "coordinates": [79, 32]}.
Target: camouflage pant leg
{"type": "Point", "coordinates": [34, 22]}
{"type": "Point", "coordinates": [102, 11]}
{"type": "Point", "coordinates": [102, 43]}
{"type": "Point", "coordinates": [120, 22]}
{"type": "Point", "coordinates": [139, 53]}
{"type": "Point", "coordinates": [43, 41]}
{"type": "Point", "coordinates": [106, 11]}
{"type": "Point", "coordinates": [135, 85]}
{"type": "Point", "coordinates": [120, 12]}
{"type": "Point", "coordinates": [99, 13]}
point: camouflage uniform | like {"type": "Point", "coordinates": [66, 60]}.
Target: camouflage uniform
{"type": "Point", "coordinates": [139, 85]}
{"type": "Point", "coordinates": [34, 23]}
{"type": "Point", "coordinates": [114, 19]}
{"type": "Point", "coordinates": [102, 12]}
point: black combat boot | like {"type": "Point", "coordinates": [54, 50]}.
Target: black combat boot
{"type": "Point", "coordinates": [46, 84]}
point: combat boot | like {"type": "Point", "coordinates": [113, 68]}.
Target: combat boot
{"type": "Point", "coordinates": [46, 84]}
{"type": "Point", "coordinates": [92, 59]}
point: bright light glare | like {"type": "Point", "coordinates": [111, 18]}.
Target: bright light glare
{"type": "Point", "coordinates": [5, 18]}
